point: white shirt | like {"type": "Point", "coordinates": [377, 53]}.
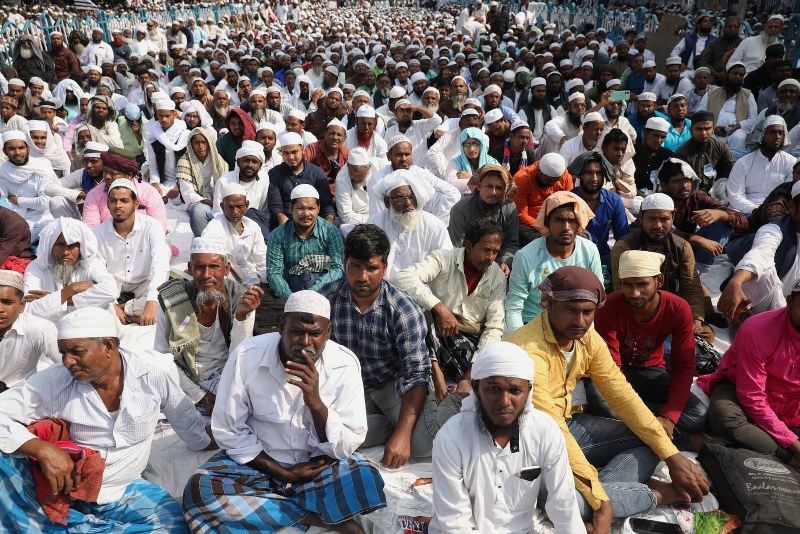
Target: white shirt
{"type": "Point", "coordinates": [138, 261]}
{"type": "Point", "coordinates": [33, 202]}
{"type": "Point", "coordinates": [418, 133]}
{"type": "Point", "coordinates": [257, 410]}
{"type": "Point", "coordinates": [727, 114]}
{"type": "Point", "coordinates": [444, 198]}
{"type": "Point", "coordinates": [28, 346]}
{"type": "Point", "coordinates": [699, 46]}
{"type": "Point", "coordinates": [101, 294]}
{"type": "Point", "coordinates": [554, 130]}
{"type": "Point", "coordinates": [753, 177]}
{"type": "Point", "coordinates": [444, 150]}
{"type": "Point", "coordinates": [478, 488]}
{"type": "Point", "coordinates": [752, 52]}
{"type": "Point", "coordinates": [352, 202]}
{"type": "Point", "coordinates": [652, 87]}
{"type": "Point", "coordinates": [247, 249]}
{"type": "Point", "coordinates": [573, 148]}
{"type": "Point", "coordinates": [414, 245]}
{"type": "Point", "coordinates": [152, 131]}
{"type": "Point", "coordinates": [97, 53]}
{"type": "Point", "coordinates": [377, 146]}
{"type": "Point", "coordinates": [683, 86]}
{"type": "Point", "coordinates": [760, 259]}
{"type": "Point", "coordinates": [150, 387]}
{"type": "Point", "coordinates": [256, 190]}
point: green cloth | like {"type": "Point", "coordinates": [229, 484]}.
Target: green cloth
{"type": "Point", "coordinates": [128, 139]}
{"type": "Point", "coordinates": [227, 146]}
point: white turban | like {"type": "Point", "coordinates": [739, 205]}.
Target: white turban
{"type": "Point", "coordinates": [89, 322]}
{"type": "Point", "coordinates": [422, 189]}
{"type": "Point", "coordinates": [397, 139]}
{"type": "Point", "coordinates": [502, 359]}
{"type": "Point", "coordinates": [308, 302]}
{"type": "Point", "coordinates": [492, 89]}
{"type": "Point", "coordinates": [297, 114]}
{"type": "Point", "coordinates": [74, 231]}
{"type": "Point", "coordinates": [251, 148]}
{"type": "Point", "coordinates": [164, 104]}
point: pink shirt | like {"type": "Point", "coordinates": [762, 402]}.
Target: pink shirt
{"type": "Point", "coordinates": [763, 363]}
{"type": "Point", "coordinates": [95, 208]}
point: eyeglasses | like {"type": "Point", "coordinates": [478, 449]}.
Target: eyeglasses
{"type": "Point", "coordinates": [403, 199]}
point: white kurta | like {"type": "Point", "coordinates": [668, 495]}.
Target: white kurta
{"type": "Point", "coordinates": [478, 488]}
{"type": "Point", "coordinates": [444, 198]}
{"type": "Point", "coordinates": [247, 249]}
{"type": "Point", "coordinates": [753, 177]}
{"type": "Point", "coordinates": [256, 191]}
{"type": "Point", "coordinates": [573, 148]}
{"type": "Point", "coordinates": [257, 410]}
{"type": "Point", "coordinates": [767, 291]}
{"type": "Point", "coordinates": [28, 346]}
{"type": "Point", "coordinates": [352, 202]}
{"type": "Point", "coordinates": [752, 51]}
{"type": "Point", "coordinates": [377, 146]}
{"type": "Point", "coordinates": [418, 133]}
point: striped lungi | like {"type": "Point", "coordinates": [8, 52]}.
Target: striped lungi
{"type": "Point", "coordinates": [224, 496]}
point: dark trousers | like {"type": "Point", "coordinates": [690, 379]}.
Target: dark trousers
{"type": "Point", "coordinates": [727, 419]}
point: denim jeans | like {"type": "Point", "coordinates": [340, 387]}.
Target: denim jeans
{"type": "Point", "coordinates": [199, 216]}
{"type": "Point", "coordinates": [719, 232]}
{"type": "Point", "coordinates": [624, 463]}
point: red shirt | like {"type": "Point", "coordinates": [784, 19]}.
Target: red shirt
{"type": "Point", "coordinates": [642, 344]}
{"type": "Point", "coordinates": [472, 275]}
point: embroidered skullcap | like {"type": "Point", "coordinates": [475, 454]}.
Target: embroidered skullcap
{"type": "Point", "coordinates": [701, 69]}
{"type": "Point", "coordinates": [334, 90]}
{"type": "Point", "coordinates": [297, 114]}
{"type": "Point", "coordinates": [573, 283]}
{"type": "Point", "coordinates": [638, 263]}
{"type": "Point", "coordinates": [647, 97]}
{"type": "Point", "coordinates": [493, 116]}
{"type": "Point", "coordinates": [366, 111]}
{"type": "Point", "coordinates": [657, 123]}
{"type": "Point", "coordinates": [272, 89]}
{"type": "Point", "coordinates": [208, 245]}
{"type": "Point", "coordinates": [592, 117]}
{"type": "Point", "coordinates": [397, 92]}
{"type": "Point", "coordinates": [673, 98]}
{"type": "Point", "coordinates": [229, 189]}
{"type": "Point", "coordinates": [400, 138]}
{"type": "Point", "coordinates": [7, 99]}
{"type": "Point", "coordinates": [165, 104]}
{"type": "Point", "coordinates": [260, 91]}
{"type": "Point", "coordinates": [502, 359]}
{"type": "Point", "coordinates": [11, 279]}
{"type": "Point", "coordinates": [123, 182]}
{"type": "Point", "coordinates": [304, 191]}
{"type": "Point", "coordinates": [538, 81]}
{"type": "Point", "coordinates": [251, 148]}
{"type": "Point", "coordinates": [733, 64]}
{"type": "Point", "coordinates": [553, 164]}
{"type": "Point", "coordinates": [176, 90]}
{"type": "Point", "coordinates": [89, 322]}
{"type": "Point", "coordinates": [657, 201]}
{"type": "Point", "coordinates": [360, 92]}
{"type": "Point", "coordinates": [306, 301]}
{"type": "Point", "coordinates": [358, 157]}
{"type": "Point", "coordinates": [16, 82]}
{"type": "Point", "coordinates": [290, 138]}
{"type": "Point", "coordinates": [576, 96]}
{"type": "Point", "coordinates": [402, 102]}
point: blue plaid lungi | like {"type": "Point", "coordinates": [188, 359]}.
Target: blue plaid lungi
{"type": "Point", "coordinates": [142, 509]}
{"type": "Point", "coordinates": [224, 496]}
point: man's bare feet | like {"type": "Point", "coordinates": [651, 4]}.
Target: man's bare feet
{"type": "Point", "coordinates": [665, 493]}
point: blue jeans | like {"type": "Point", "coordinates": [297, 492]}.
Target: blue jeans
{"type": "Point", "coordinates": [199, 216]}
{"type": "Point", "coordinates": [719, 232]}
{"type": "Point", "coordinates": [625, 463]}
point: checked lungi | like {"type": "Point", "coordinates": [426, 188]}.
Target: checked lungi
{"type": "Point", "coordinates": [144, 508]}
{"type": "Point", "coordinates": [226, 497]}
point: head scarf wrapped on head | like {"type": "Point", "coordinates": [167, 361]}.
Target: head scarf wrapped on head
{"type": "Point", "coordinates": [579, 164]}
{"type": "Point", "coordinates": [53, 149]}
{"type": "Point", "coordinates": [194, 106]}
{"type": "Point", "coordinates": [462, 162]}
{"type": "Point", "coordinates": [573, 283]}
{"type": "Point", "coordinates": [755, 137]}
{"type": "Point", "coordinates": [189, 167]}
{"type": "Point", "coordinates": [74, 231]}
{"type": "Point", "coordinates": [560, 198]}
{"type": "Point", "coordinates": [501, 359]}
{"type": "Point", "coordinates": [249, 125]}
{"type": "Point", "coordinates": [422, 190]}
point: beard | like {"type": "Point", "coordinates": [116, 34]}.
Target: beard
{"type": "Point", "coordinates": [406, 221]}
{"type": "Point", "coordinates": [222, 111]}
{"type": "Point", "coordinates": [485, 424]}
{"type": "Point", "coordinates": [458, 100]}
{"type": "Point", "coordinates": [57, 47]}
{"type": "Point", "coordinates": [575, 120]}
{"type": "Point", "coordinates": [433, 108]}
{"type": "Point", "coordinates": [405, 124]}
{"type": "Point", "coordinates": [127, 40]}
{"type": "Point", "coordinates": [420, 92]}
{"type": "Point", "coordinates": [204, 298]}
{"type": "Point", "coordinates": [784, 106]}
{"type": "Point", "coordinates": [71, 100]}
{"type": "Point", "coordinates": [385, 92]}
{"type": "Point", "coordinates": [317, 70]}
{"type": "Point", "coordinates": [539, 103]}
{"type": "Point", "coordinates": [732, 87]}
{"type": "Point", "coordinates": [153, 33]}
{"type": "Point", "coordinates": [365, 138]}
{"type": "Point", "coordinates": [326, 84]}
{"type": "Point", "coordinates": [259, 115]}
{"type": "Point", "coordinates": [25, 53]}
{"type": "Point", "coordinates": [63, 273]}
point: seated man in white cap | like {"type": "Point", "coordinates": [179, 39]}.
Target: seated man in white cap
{"type": "Point", "coordinates": [491, 460]}
{"type": "Point", "coordinates": [538, 111]}
{"type": "Point", "coordinates": [329, 108]}
{"type": "Point", "coordinates": [731, 103]}
{"type": "Point", "coordinates": [443, 196]}
{"type": "Point", "coordinates": [259, 112]}
{"type": "Point", "coordinates": [417, 131]}
{"type": "Point", "coordinates": [296, 122]}
{"type": "Point", "coordinates": [267, 134]}
{"type": "Point", "coordinates": [656, 234]}
{"type": "Point", "coordinates": [565, 348]}
{"type": "Point", "coordinates": [201, 319]}
{"type": "Point", "coordinates": [635, 322]}
{"type": "Point", "coordinates": [650, 153]}
{"type": "Point", "coordinates": [101, 118]}
{"type": "Point", "coordinates": [352, 199]}
{"type": "Point", "coordinates": [386, 329]}
{"type": "Point", "coordinates": [135, 253]}
{"type": "Point", "coordinates": [26, 104]}
{"type": "Point", "coordinates": [68, 272]}
{"type": "Point", "coordinates": [593, 125]}
{"type": "Point", "coordinates": [413, 232]}
{"type": "Point", "coordinates": [105, 402]}
{"type": "Point", "coordinates": [366, 133]}
{"type": "Point", "coordinates": [329, 153]}
{"type": "Point", "coordinates": [561, 129]}
{"type": "Point", "coordinates": [165, 143]}
{"type": "Point", "coordinates": [307, 251]}
{"type": "Point", "coordinates": [242, 236]}
{"type": "Point", "coordinates": [27, 342]}
{"type": "Point", "coordinates": [250, 175]}
{"type": "Point", "coordinates": [645, 109]}
{"type": "Point", "coordinates": [79, 182]}
{"type": "Point", "coordinates": [97, 51]}
{"type": "Point", "coordinates": [297, 465]}
{"type": "Point", "coordinates": [295, 170]}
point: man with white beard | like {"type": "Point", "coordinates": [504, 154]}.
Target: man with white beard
{"type": "Point", "coordinates": [365, 134]}
{"type": "Point", "coordinates": [459, 92]}
{"type": "Point", "coordinates": [158, 42]}
{"type": "Point", "coordinates": [413, 233]}
{"type": "Point", "coordinates": [68, 272]}
{"type": "Point", "coordinates": [316, 72]}
{"type": "Point", "coordinates": [259, 111]}
{"type": "Point", "coordinates": [201, 319]}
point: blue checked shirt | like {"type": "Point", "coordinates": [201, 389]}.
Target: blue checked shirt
{"type": "Point", "coordinates": [388, 338]}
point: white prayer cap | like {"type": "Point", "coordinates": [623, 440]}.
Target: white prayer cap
{"type": "Point", "coordinates": [260, 91]}
{"type": "Point", "coordinates": [306, 301]}
{"type": "Point", "coordinates": [538, 81]}
{"type": "Point", "coordinates": [431, 90]}
{"type": "Point", "coordinates": [93, 67]}
{"type": "Point", "coordinates": [89, 322]}
{"type": "Point", "coordinates": [657, 123]}
{"type": "Point", "coordinates": [124, 182]}
{"type": "Point", "coordinates": [334, 90]}
{"type": "Point", "coordinates": [397, 92]}
{"type": "Point", "coordinates": [508, 76]}
{"type": "Point", "coordinates": [177, 90]}
{"type": "Point", "coordinates": [337, 122]}
{"type": "Point", "coordinates": [37, 126]}
{"type": "Point", "coordinates": [553, 164]}
{"type": "Point", "coordinates": [358, 157]}
{"type": "Point", "coordinates": [776, 16]}
{"type": "Point", "coordinates": [13, 135]}
{"type": "Point", "coordinates": [676, 96]}
{"type": "Point", "coordinates": [229, 189]}
{"type": "Point", "coordinates": [38, 82]}
{"type": "Point", "coordinates": [332, 70]}
{"type": "Point", "coordinates": [493, 116]}
{"type": "Point", "coordinates": [573, 83]}
{"type": "Point", "coordinates": [492, 89]}
{"type": "Point", "coordinates": [587, 64]}
{"type": "Point", "coordinates": [788, 81]}
{"type": "Point", "coordinates": [56, 33]}
{"type": "Point", "coordinates": [592, 117]}
{"type": "Point", "coordinates": [472, 102]}
{"type": "Point", "coordinates": [93, 149]}
{"type": "Point", "coordinates": [657, 201]}
{"type": "Point", "coordinates": [502, 359]}
{"type": "Point", "coordinates": [613, 82]}
{"type": "Point", "coordinates": [11, 279]}
{"type": "Point", "coordinates": [16, 82]}
{"type": "Point", "coordinates": [366, 111]}
{"type": "Point", "coordinates": [269, 126]}
{"type": "Point", "coordinates": [649, 64]}
{"type": "Point", "coordinates": [272, 89]}
{"type": "Point", "coordinates": [297, 114]}
{"type": "Point", "coordinates": [636, 263]}
{"type": "Point", "coordinates": [673, 60]}
{"type": "Point", "coordinates": [775, 120]}
{"type": "Point", "coordinates": [290, 138]}
{"type": "Point", "coordinates": [304, 191]}
{"type": "Point", "coordinates": [796, 187]}
{"type": "Point", "coordinates": [418, 77]}
{"type": "Point", "coordinates": [565, 63]}
{"type": "Point", "coordinates": [361, 92]}
{"type": "Point", "coordinates": [165, 104]}
{"type": "Point", "coordinates": [576, 96]}
{"type": "Point", "coordinates": [208, 245]}
{"type": "Point", "coordinates": [647, 97]}
{"type": "Point", "coordinates": [400, 138]}
{"type": "Point", "coordinates": [470, 111]}
{"type": "Point", "coordinates": [251, 148]}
